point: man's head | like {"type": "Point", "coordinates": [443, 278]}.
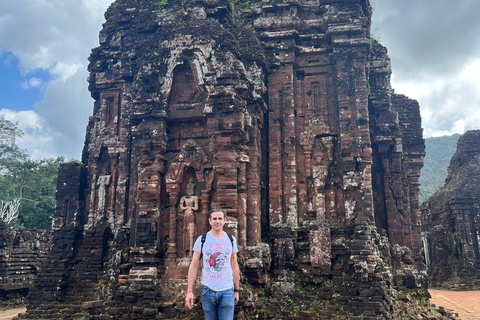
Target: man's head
{"type": "Point", "coordinates": [216, 218]}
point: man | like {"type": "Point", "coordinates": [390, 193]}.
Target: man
{"type": "Point", "coordinates": [220, 273]}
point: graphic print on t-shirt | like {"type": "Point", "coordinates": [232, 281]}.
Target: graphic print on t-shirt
{"type": "Point", "coordinates": [216, 260]}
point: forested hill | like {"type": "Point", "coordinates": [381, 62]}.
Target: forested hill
{"type": "Point", "coordinates": [438, 153]}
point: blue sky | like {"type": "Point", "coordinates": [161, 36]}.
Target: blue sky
{"type": "Point", "coordinates": [434, 46]}
{"type": "Point", "coordinates": [17, 91]}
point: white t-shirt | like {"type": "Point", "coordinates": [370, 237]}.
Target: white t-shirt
{"type": "Point", "coordinates": [217, 272]}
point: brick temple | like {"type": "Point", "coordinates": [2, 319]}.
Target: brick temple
{"type": "Point", "coordinates": [451, 221]}
{"type": "Point", "coordinates": [22, 253]}
{"type": "Point", "coordinates": [280, 112]}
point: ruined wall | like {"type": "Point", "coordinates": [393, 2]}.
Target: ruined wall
{"type": "Point", "coordinates": [22, 253]}
{"type": "Point", "coordinates": [451, 221]}
{"type": "Point", "coordinates": [280, 112]}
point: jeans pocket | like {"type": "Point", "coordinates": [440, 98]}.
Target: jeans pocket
{"type": "Point", "coordinates": [205, 290]}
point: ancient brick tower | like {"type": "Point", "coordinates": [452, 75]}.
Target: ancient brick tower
{"type": "Point", "coordinates": [451, 221]}
{"type": "Point", "coordinates": [280, 112]}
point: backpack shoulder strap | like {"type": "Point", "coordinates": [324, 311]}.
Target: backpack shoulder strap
{"type": "Point", "coordinates": [204, 236]}
{"type": "Point", "coordinates": [231, 239]}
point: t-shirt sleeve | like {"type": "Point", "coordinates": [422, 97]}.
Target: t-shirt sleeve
{"type": "Point", "coordinates": [235, 248]}
{"type": "Point", "coordinates": [198, 244]}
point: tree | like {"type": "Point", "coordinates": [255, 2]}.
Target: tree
{"type": "Point", "coordinates": [9, 210]}
{"type": "Point", "coordinates": [9, 133]}
{"type": "Point", "coordinates": [439, 151]}
{"type": "Point", "coordinates": [30, 182]}
{"type": "Point", "coordinates": [34, 182]}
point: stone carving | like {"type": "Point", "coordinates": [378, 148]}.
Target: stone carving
{"type": "Point", "coordinates": [103, 182]}
{"type": "Point", "coordinates": [323, 203]}
{"type": "Point", "coordinates": [189, 206]}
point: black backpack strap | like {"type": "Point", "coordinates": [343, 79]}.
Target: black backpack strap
{"type": "Point", "coordinates": [231, 239]}
{"type": "Point", "coordinates": [204, 236]}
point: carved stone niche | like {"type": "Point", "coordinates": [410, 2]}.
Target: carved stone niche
{"type": "Point", "coordinates": [189, 174]}
{"type": "Point", "coordinates": [149, 202]}
{"type": "Point", "coordinates": [149, 185]}
{"type": "Point", "coordinates": [186, 97]}
{"type": "Point", "coordinates": [189, 207]}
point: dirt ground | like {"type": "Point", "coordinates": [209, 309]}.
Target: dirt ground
{"type": "Point", "coordinates": [465, 303]}
{"type": "Point", "coordinates": [9, 314]}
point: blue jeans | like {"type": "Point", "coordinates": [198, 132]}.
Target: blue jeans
{"type": "Point", "coordinates": [218, 305]}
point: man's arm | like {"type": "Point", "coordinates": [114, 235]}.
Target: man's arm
{"type": "Point", "coordinates": [236, 275]}
{"type": "Point", "coordinates": [192, 275]}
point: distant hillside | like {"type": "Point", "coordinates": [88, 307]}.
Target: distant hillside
{"type": "Point", "coordinates": [439, 151]}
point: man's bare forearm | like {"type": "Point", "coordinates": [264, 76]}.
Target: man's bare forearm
{"type": "Point", "coordinates": [192, 271]}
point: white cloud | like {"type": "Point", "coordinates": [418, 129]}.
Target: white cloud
{"type": "Point", "coordinates": [36, 82]}
{"type": "Point", "coordinates": [66, 107]}
{"type": "Point", "coordinates": [55, 36]}
{"type": "Point", "coordinates": [33, 83]}
{"type": "Point", "coordinates": [65, 71]}
{"type": "Point", "coordinates": [36, 139]}
{"type": "Point", "coordinates": [471, 73]}
{"type": "Point", "coordinates": [449, 104]}
{"type": "Point", "coordinates": [25, 119]}
{"type": "Point", "coordinates": [44, 33]}
{"type": "Point", "coordinates": [435, 49]}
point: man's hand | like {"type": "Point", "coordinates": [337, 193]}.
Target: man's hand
{"type": "Point", "coordinates": [237, 297]}
{"type": "Point", "coordinates": [189, 300]}
{"type": "Point", "coordinates": [192, 274]}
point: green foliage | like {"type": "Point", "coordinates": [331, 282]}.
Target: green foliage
{"type": "Point", "coordinates": [9, 133]}
{"type": "Point", "coordinates": [34, 182]}
{"type": "Point", "coordinates": [439, 151]}
{"type": "Point", "coordinates": [242, 4]}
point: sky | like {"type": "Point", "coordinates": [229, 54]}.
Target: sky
{"type": "Point", "coordinates": [434, 46]}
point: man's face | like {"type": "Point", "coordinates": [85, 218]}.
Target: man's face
{"type": "Point", "coordinates": [217, 221]}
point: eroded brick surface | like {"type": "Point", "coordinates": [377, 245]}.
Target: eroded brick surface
{"type": "Point", "coordinates": [22, 253]}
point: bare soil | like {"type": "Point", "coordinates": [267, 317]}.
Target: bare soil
{"type": "Point", "coordinates": [11, 313]}
{"type": "Point", "coordinates": [465, 303]}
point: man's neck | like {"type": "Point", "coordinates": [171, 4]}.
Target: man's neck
{"type": "Point", "coordinates": [217, 234]}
